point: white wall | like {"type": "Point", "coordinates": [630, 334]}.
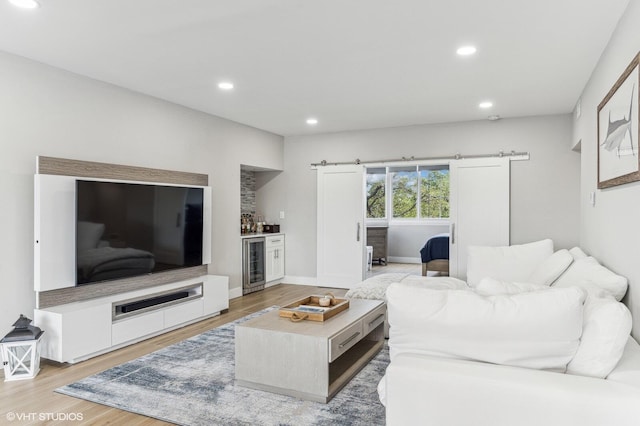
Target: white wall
{"type": "Point", "coordinates": [544, 190]}
{"type": "Point", "coordinates": [610, 230]}
{"type": "Point", "coordinates": [269, 202]}
{"type": "Point", "coordinates": [46, 111]}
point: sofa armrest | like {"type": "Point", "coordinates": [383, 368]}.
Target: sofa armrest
{"type": "Point", "coordinates": [422, 389]}
{"type": "Point", "coordinates": [628, 368]}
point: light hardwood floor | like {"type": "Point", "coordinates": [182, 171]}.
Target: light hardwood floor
{"type": "Point", "coordinates": [406, 268]}
{"type": "Point", "coordinates": [33, 397]}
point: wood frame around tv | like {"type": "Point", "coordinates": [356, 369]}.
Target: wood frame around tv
{"type": "Point", "coordinates": [89, 169]}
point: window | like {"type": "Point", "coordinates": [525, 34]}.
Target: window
{"type": "Point", "coordinates": [376, 193]}
{"type": "Point", "coordinates": [404, 187]}
{"type": "Point", "coordinates": [434, 192]}
{"type": "Point", "coordinates": [416, 192]}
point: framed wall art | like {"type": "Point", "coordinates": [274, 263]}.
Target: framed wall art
{"type": "Point", "coordinates": [618, 114]}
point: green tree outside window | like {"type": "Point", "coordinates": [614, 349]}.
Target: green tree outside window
{"type": "Point", "coordinates": [376, 194]}
{"type": "Point", "coordinates": [405, 194]}
{"type": "Point", "coordinates": [420, 192]}
{"type": "Point", "coordinates": [434, 193]}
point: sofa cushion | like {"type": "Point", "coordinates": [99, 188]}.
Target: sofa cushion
{"type": "Point", "coordinates": [577, 253]}
{"type": "Point", "coordinates": [551, 268]}
{"type": "Point", "coordinates": [534, 330]}
{"type": "Point", "coordinates": [606, 328]}
{"type": "Point", "coordinates": [593, 277]}
{"type": "Point", "coordinates": [493, 287]}
{"type": "Point", "coordinates": [509, 263]}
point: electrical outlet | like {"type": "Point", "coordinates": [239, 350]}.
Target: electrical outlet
{"type": "Point", "coordinates": [282, 214]}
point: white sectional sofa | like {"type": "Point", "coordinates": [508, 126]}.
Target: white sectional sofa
{"type": "Point", "coordinates": [538, 338]}
{"type": "Point", "coordinates": [430, 390]}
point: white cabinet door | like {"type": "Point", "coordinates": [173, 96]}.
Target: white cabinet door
{"type": "Point", "coordinates": [479, 208]}
{"type": "Point", "coordinates": [274, 259]}
{"type": "Point", "coordinates": [55, 232]}
{"type": "Point", "coordinates": [269, 264]}
{"type": "Point", "coordinates": [72, 334]}
{"type": "Point", "coordinates": [341, 250]}
{"type": "Point", "coordinates": [215, 294]}
{"type": "Point", "coordinates": [278, 263]}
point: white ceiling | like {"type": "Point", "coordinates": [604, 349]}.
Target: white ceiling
{"type": "Point", "coordinates": [353, 64]}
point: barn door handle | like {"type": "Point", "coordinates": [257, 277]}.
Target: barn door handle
{"type": "Point", "coordinates": [358, 232]}
{"type": "Point", "coordinates": [453, 233]}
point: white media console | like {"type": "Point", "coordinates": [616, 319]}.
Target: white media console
{"type": "Point", "coordinates": [81, 330]}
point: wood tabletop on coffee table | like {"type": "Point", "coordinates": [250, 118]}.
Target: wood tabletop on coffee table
{"type": "Point", "coordinates": [273, 321]}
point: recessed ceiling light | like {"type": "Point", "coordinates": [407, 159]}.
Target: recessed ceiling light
{"type": "Point", "coordinates": [312, 121]}
{"type": "Point", "coordinates": [466, 50]}
{"type": "Point", "coordinates": [225, 85]}
{"type": "Point", "coordinates": [25, 4]}
{"type": "Point", "coordinates": [485, 105]}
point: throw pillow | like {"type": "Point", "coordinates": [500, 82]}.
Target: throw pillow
{"type": "Point", "coordinates": [607, 324]}
{"type": "Point", "coordinates": [538, 330]}
{"type": "Point", "coordinates": [375, 288]}
{"type": "Point", "coordinates": [587, 273]}
{"type": "Point", "coordinates": [551, 268]}
{"type": "Point", "coordinates": [511, 263]}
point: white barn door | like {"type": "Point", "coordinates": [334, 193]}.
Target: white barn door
{"type": "Point", "coordinates": [341, 231]}
{"type": "Point", "coordinates": [479, 208]}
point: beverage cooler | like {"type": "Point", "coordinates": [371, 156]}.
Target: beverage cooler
{"type": "Point", "coordinates": [253, 264]}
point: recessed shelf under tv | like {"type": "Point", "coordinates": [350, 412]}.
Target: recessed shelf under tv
{"type": "Point", "coordinates": [140, 305]}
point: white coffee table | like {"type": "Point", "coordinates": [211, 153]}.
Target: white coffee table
{"type": "Point", "coordinates": [309, 360]}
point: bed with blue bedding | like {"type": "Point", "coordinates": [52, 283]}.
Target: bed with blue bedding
{"type": "Point", "coordinates": [435, 254]}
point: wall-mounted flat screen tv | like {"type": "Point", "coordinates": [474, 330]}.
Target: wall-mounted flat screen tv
{"type": "Point", "coordinates": [130, 229]}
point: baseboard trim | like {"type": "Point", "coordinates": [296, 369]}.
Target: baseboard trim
{"type": "Point", "coordinates": [235, 292]}
{"type": "Point", "coordinates": [272, 283]}
{"type": "Point", "coordinates": [289, 279]}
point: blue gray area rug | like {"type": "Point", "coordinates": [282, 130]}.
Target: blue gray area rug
{"type": "Point", "coordinates": [192, 383]}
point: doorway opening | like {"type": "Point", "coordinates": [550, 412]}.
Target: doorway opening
{"type": "Point", "coordinates": [405, 206]}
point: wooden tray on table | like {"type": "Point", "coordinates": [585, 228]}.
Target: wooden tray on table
{"type": "Point", "coordinates": [309, 308]}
